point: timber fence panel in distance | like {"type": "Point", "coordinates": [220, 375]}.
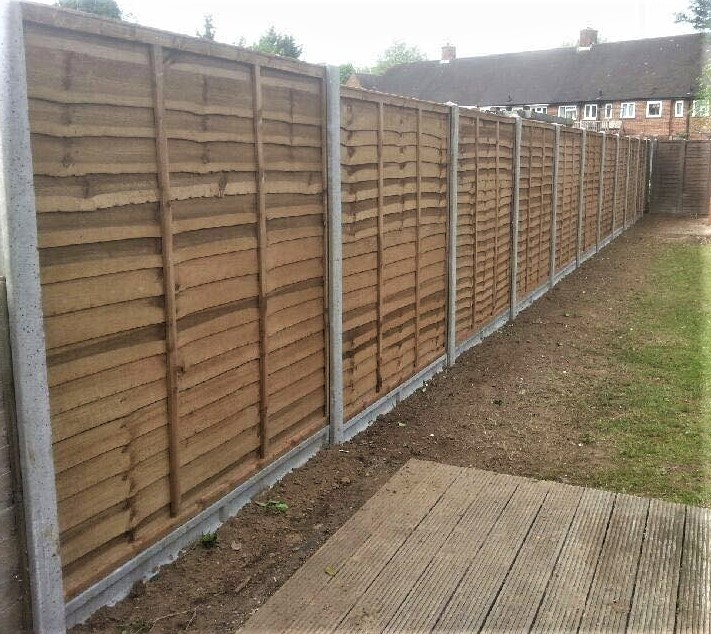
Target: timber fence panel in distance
{"type": "Point", "coordinates": [486, 145]}
{"type": "Point", "coordinates": [697, 174]}
{"type": "Point", "coordinates": [593, 158]}
{"type": "Point", "coordinates": [622, 163]}
{"type": "Point", "coordinates": [535, 207]}
{"type": "Point", "coordinates": [181, 214]}
{"type": "Point", "coordinates": [570, 153]}
{"type": "Point", "coordinates": [394, 182]}
{"type": "Point", "coordinates": [608, 188]}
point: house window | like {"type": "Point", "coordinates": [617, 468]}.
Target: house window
{"type": "Point", "coordinates": [590, 111]}
{"type": "Point", "coordinates": [608, 111]}
{"type": "Point", "coordinates": [627, 110]}
{"type": "Point", "coordinates": [700, 108]}
{"type": "Point", "coordinates": [568, 112]}
{"type": "Point", "coordinates": [679, 108]}
{"type": "Point", "coordinates": [540, 109]}
{"type": "Point", "coordinates": [654, 109]}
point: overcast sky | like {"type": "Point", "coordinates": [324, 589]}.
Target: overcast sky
{"type": "Point", "coordinates": [340, 31]}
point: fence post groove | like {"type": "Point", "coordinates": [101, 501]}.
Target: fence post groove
{"type": "Point", "coordinates": [515, 210]}
{"type": "Point", "coordinates": [335, 254]}
{"type": "Point", "coordinates": [601, 192]}
{"type": "Point", "coordinates": [418, 230]}
{"type": "Point", "coordinates": [262, 257]}
{"type": "Point", "coordinates": [380, 263]}
{"type": "Point", "coordinates": [171, 317]}
{"type": "Point", "coordinates": [452, 235]}
{"type": "Point", "coordinates": [554, 206]}
{"type": "Point", "coordinates": [21, 268]}
{"type": "Point", "coordinates": [581, 197]}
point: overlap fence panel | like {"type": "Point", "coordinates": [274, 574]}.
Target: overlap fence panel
{"type": "Point", "coordinates": [681, 179]}
{"type": "Point", "coordinates": [394, 175]}
{"type": "Point", "coordinates": [622, 182]}
{"type": "Point", "coordinates": [608, 187]}
{"type": "Point", "coordinates": [181, 217]}
{"type": "Point", "coordinates": [535, 207]}
{"type": "Point", "coordinates": [485, 181]}
{"type": "Point", "coordinates": [593, 161]}
{"type": "Point", "coordinates": [184, 220]}
{"type": "Point", "coordinates": [569, 161]}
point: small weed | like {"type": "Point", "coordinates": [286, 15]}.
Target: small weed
{"type": "Point", "coordinates": [139, 626]}
{"type": "Point", "coordinates": [208, 540]}
{"type": "Point", "coordinates": [275, 506]}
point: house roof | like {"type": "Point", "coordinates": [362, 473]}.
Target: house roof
{"type": "Point", "coordinates": [662, 68]}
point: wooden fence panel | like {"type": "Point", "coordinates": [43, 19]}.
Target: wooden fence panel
{"type": "Point", "coordinates": [535, 207]}
{"type": "Point", "coordinates": [394, 174]}
{"type": "Point", "coordinates": [681, 179]}
{"type": "Point", "coordinates": [485, 176]}
{"type": "Point", "coordinates": [181, 218]}
{"type": "Point", "coordinates": [697, 178]}
{"type": "Point", "coordinates": [608, 191]}
{"type": "Point", "coordinates": [634, 179]}
{"type": "Point", "coordinates": [622, 177]}
{"type": "Point", "coordinates": [593, 159]}
{"type": "Point", "coordinates": [570, 152]}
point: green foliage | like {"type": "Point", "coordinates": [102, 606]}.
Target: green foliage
{"type": "Point", "coordinates": [208, 29]}
{"type": "Point", "coordinates": [275, 43]}
{"type": "Point", "coordinates": [275, 506]}
{"type": "Point", "coordinates": [398, 53]}
{"type": "Point", "coordinates": [698, 15]}
{"type": "Point", "coordinates": [104, 8]}
{"type": "Point", "coordinates": [209, 540]}
{"type": "Point", "coordinates": [346, 70]}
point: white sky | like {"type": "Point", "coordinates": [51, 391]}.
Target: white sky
{"type": "Point", "coordinates": [357, 31]}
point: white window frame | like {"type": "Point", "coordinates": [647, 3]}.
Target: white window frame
{"type": "Point", "coordinates": [609, 108]}
{"type": "Point", "coordinates": [590, 108]}
{"type": "Point", "coordinates": [700, 108]}
{"type": "Point", "coordinates": [563, 111]}
{"type": "Point", "coordinates": [679, 108]}
{"type": "Point", "coordinates": [628, 110]}
{"type": "Point", "coordinates": [655, 102]}
{"type": "Point", "coordinates": [540, 108]}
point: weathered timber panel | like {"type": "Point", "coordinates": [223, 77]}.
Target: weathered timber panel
{"type": "Point", "coordinates": [569, 163]}
{"type": "Point", "coordinates": [181, 215]}
{"type": "Point", "coordinates": [485, 184]}
{"type": "Point", "coordinates": [535, 207]}
{"type": "Point", "coordinates": [394, 163]}
{"type": "Point", "coordinates": [593, 158]}
{"type": "Point", "coordinates": [608, 187]}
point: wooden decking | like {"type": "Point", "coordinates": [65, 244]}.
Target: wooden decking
{"type": "Point", "coordinates": [449, 549]}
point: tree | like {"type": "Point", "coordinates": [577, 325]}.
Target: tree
{"type": "Point", "coordinates": [698, 15]}
{"type": "Point", "coordinates": [104, 8]}
{"type": "Point", "coordinates": [275, 43]}
{"type": "Point", "coordinates": [398, 53]}
{"type": "Point", "coordinates": [208, 29]}
{"type": "Point", "coordinates": [346, 70]}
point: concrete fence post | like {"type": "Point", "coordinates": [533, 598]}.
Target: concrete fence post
{"type": "Point", "coordinates": [452, 236]}
{"type": "Point", "coordinates": [20, 264]}
{"type": "Point", "coordinates": [335, 254]}
{"type": "Point", "coordinates": [515, 209]}
{"type": "Point", "coordinates": [581, 198]}
{"type": "Point", "coordinates": [554, 210]}
{"type": "Point", "coordinates": [601, 193]}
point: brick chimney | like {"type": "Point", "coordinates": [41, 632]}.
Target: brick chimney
{"type": "Point", "coordinates": [449, 53]}
{"type": "Point", "coordinates": [588, 38]}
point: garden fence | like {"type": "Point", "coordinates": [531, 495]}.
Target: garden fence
{"type": "Point", "coordinates": [239, 260]}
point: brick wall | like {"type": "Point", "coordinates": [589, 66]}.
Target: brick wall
{"type": "Point", "coordinates": [666, 126]}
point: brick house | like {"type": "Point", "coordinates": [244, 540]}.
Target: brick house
{"type": "Point", "coordinates": [640, 87]}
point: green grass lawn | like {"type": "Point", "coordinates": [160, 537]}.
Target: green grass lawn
{"type": "Point", "coordinates": [656, 411]}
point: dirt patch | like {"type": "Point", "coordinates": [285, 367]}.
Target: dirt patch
{"type": "Point", "coordinates": [505, 407]}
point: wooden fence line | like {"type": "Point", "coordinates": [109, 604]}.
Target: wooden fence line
{"type": "Point", "coordinates": [204, 314]}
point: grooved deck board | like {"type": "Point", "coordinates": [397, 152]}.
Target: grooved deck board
{"type": "Point", "coordinates": [450, 549]}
